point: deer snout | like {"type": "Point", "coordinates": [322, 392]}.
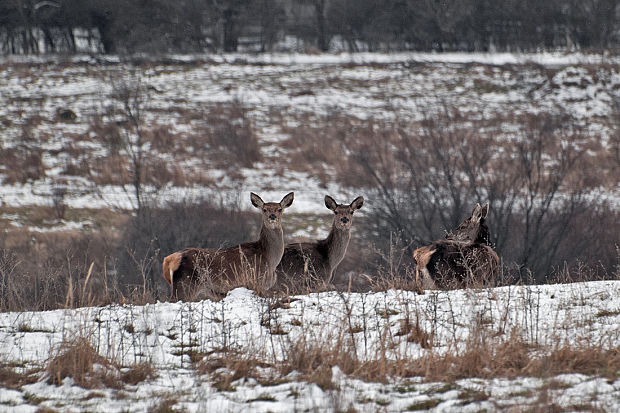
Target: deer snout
{"type": "Point", "coordinates": [272, 217]}
{"type": "Point", "coordinates": [344, 220]}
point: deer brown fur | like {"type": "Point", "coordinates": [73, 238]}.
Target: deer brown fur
{"type": "Point", "coordinates": [307, 266]}
{"type": "Point", "coordinates": [464, 257]}
{"type": "Point", "coordinates": [215, 271]}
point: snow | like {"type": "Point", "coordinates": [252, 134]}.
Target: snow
{"type": "Point", "coordinates": [544, 58]}
{"type": "Point", "coordinates": [298, 88]}
{"type": "Point", "coordinates": [381, 86]}
{"type": "Point", "coordinates": [575, 314]}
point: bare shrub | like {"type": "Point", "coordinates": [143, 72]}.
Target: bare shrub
{"type": "Point", "coordinates": [8, 265]}
{"type": "Point", "coordinates": [56, 270]}
{"type": "Point", "coordinates": [59, 192]}
{"type": "Point", "coordinates": [540, 184]}
{"type": "Point", "coordinates": [22, 164]}
{"type": "Point", "coordinates": [229, 133]}
{"type": "Point", "coordinates": [158, 231]}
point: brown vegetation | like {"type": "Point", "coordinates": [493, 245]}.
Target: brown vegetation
{"type": "Point", "coordinates": [77, 358]}
{"type": "Point", "coordinates": [424, 174]}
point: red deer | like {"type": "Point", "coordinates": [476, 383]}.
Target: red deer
{"type": "Point", "coordinates": [213, 272]}
{"type": "Point", "coordinates": [310, 265]}
{"type": "Point", "coordinates": [464, 257]}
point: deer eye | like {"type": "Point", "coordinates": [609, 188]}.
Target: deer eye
{"type": "Point", "coordinates": [264, 209]}
{"type": "Point", "coordinates": [279, 209]}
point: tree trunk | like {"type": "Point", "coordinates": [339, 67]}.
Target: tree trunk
{"type": "Point", "coordinates": [230, 31]}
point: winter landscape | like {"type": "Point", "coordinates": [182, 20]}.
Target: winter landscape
{"type": "Point", "coordinates": [379, 137]}
{"type": "Point", "coordinates": [517, 348]}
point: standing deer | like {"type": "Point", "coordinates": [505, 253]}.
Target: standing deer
{"type": "Point", "coordinates": [465, 256]}
{"type": "Point", "coordinates": [217, 271]}
{"type": "Point", "coordinates": [309, 265]}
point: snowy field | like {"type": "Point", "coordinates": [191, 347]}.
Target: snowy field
{"type": "Point", "coordinates": [184, 342]}
{"type": "Point", "coordinates": [278, 92]}
{"type": "Point", "coordinates": [166, 335]}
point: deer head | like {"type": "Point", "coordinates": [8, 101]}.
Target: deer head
{"type": "Point", "coordinates": [469, 229]}
{"type": "Point", "coordinates": [344, 213]}
{"type": "Point", "coordinates": [272, 211]}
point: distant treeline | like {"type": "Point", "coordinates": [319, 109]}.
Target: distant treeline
{"type": "Point", "coordinates": [122, 26]}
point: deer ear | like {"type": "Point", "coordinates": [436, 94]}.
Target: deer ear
{"type": "Point", "coordinates": [330, 203]}
{"type": "Point", "coordinates": [476, 213]}
{"type": "Point", "coordinates": [357, 202]}
{"type": "Point", "coordinates": [256, 200]}
{"type": "Point", "coordinates": [287, 200]}
{"type": "Point", "coordinates": [485, 210]}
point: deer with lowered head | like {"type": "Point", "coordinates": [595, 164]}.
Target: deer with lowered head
{"type": "Point", "coordinates": [464, 257]}
{"type": "Point", "coordinates": [310, 265]}
{"type": "Point", "coordinates": [194, 271]}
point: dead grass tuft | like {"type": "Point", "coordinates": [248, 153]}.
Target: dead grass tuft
{"type": "Point", "coordinates": [22, 164]}
{"type": "Point", "coordinates": [79, 360]}
{"type": "Point", "coordinates": [138, 373]}
{"type": "Point", "coordinates": [14, 377]}
{"type": "Point", "coordinates": [165, 405]}
{"type": "Point", "coordinates": [568, 359]}
{"type": "Point", "coordinates": [225, 368]}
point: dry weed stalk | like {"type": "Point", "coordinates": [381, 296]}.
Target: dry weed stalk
{"type": "Point", "coordinates": [79, 360]}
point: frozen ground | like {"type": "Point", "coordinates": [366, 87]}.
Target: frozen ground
{"type": "Point", "coordinates": [581, 314]}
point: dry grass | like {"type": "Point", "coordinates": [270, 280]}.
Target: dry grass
{"type": "Point", "coordinates": [78, 359]}
{"type": "Point", "coordinates": [224, 368]}
{"type": "Point", "coordinates": [14, 377]}
{"type": "Point", "coordinates": [22, 164]}
{"type": "Point", "coordinates": [138, 373]}
{"type": "Point", "coordinates": [483, 356]}
{"type": "Point", "coordinates": [569, 359]}
{"type": "Point", "coordinates": [315, 359]}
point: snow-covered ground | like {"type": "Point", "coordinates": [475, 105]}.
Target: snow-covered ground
{"type": "Point", "coordinates": [278, 92]}
{"type": "Point", "coordinates": [162, 334]}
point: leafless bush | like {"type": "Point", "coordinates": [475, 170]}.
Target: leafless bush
{"type": "Point", "coordinates": [22, 164]}
{"type": "Point", "coordinates": [229, 132]}
{"type": "Point", "coordinates": [59, 192]}
{"type": "Point", "coordinates": [539, 184]}
{"type": "Point", "coordinates": [58, 270]}
{"type": "Point", "coordinates": [159, 231]}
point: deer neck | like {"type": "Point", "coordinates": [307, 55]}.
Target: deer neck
{"type": "Point", "coordinates": [271, 244]}
{"type": "Point", "coordinates": [483, 234]}
{"type": "Point", "coordinates": [336, 244]}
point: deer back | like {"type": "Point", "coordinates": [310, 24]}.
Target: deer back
{"type": "Point", "coordinates": [304, 267]}
{"type": "Point", "coordinates": [310, 265]}
{"type": "Point", "coordinates": [464, 257]}
{"type": "Point", "coordinates": [219, 270]}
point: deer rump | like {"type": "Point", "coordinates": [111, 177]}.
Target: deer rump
{"type": "Point", "coordinates": [313, 258]}
{"type": "Point", "coordinates": [453, 263]}
{"type": "Point", "coordinates": [217, 270]}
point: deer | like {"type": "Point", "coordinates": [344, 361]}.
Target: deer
{"type": "Point", "coordinates": [216, 271]}
{"type": "Point", "coordinates": [310, 265]}
{"type": "Point", "coordinates": [464, 256]}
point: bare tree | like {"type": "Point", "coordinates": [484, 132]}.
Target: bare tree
{"type": "Point", "coordinates": [424, 176]}
{"type": "Point", "coordinates": [131, 95]}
